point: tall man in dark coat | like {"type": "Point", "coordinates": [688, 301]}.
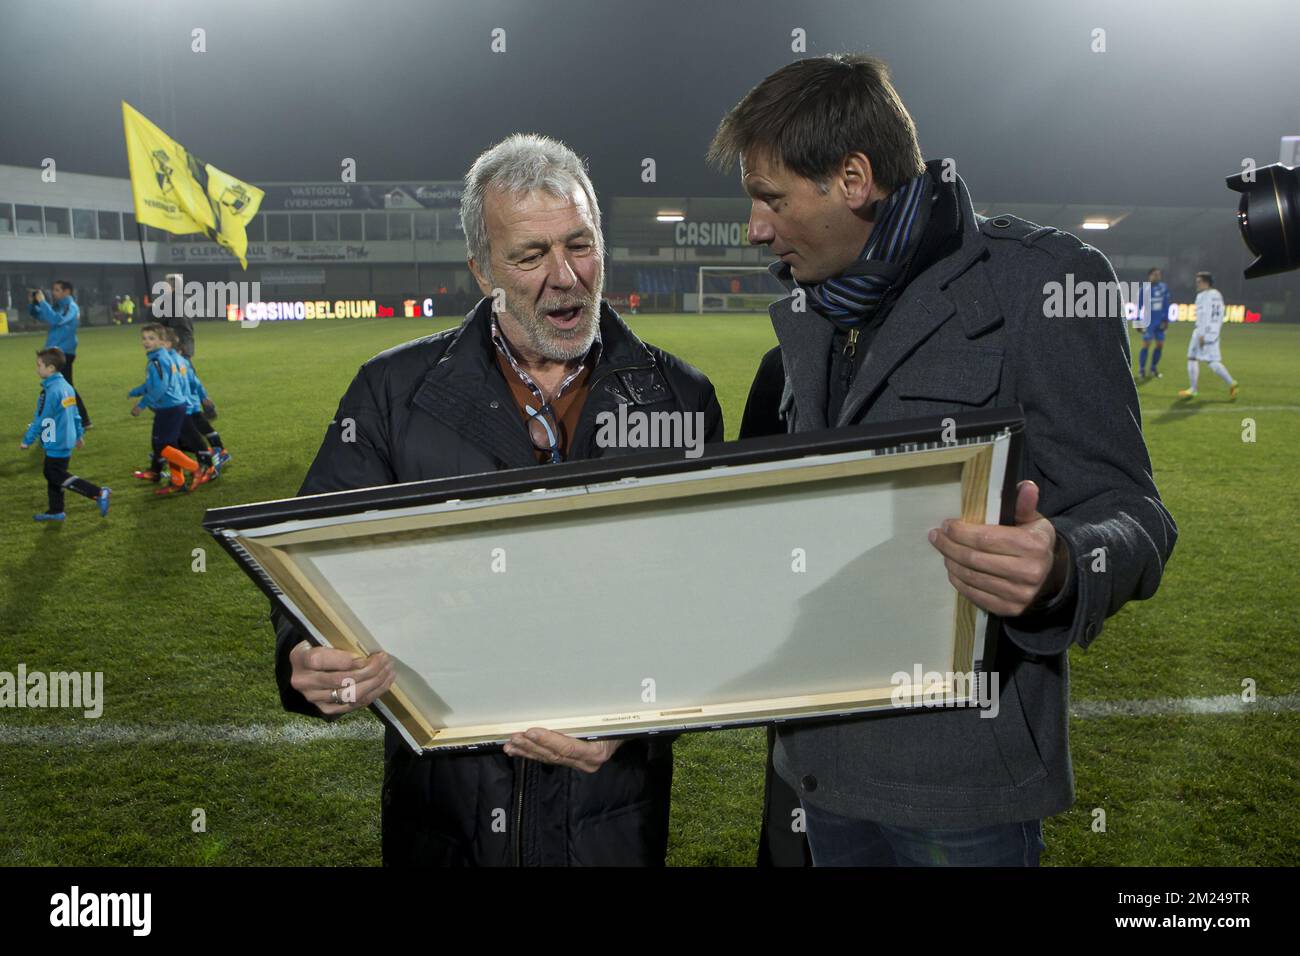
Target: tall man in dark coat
{"type": "Point", "coordinates": [515, 386]}
{"type": "Point", "coordinates": [175, 317]}
{"type": "Point", "coordinates": [906, 304]}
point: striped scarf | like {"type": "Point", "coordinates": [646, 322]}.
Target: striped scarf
{"type": "Point", "coordinates": [850, 299]}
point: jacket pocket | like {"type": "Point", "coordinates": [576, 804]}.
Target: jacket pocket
{"type": "Point", "coordinates": [964, 375]}
{"type": "Point", "coordinates": [1013, 735]}
{"type": "Point", "coordinates": [437, 810]}
{"type": "Point", "coordinates": [632, 835]}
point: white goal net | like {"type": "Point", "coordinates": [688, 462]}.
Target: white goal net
{"type": "Point", "coordinates": [736, 289]}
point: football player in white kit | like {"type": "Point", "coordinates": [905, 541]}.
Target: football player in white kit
{"type": "Point", "coordinates": [1204, 346]}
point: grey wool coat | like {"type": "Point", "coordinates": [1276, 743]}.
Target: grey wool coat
{"type": "Point", "coordinates": [968, 331]}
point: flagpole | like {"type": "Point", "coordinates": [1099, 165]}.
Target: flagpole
{"type": "Point", "coordinates": [139, 235]}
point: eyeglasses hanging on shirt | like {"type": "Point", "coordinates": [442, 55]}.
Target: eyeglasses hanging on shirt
{"type": "Point", "coordinates": [544, 431]}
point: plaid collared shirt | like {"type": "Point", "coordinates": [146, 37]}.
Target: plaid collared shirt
{"type": "Point", "coordinates": [591, 358]}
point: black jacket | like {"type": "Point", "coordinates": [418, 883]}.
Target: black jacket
{"type": "Point", "coordinates": [183, 326]}
{"type": "Point", "coordinates": [439, 407]}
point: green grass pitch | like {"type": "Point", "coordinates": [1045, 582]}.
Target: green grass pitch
{"type": "Point", "coordinates": [190, 652]}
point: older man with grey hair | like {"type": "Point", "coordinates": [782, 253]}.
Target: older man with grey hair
{"type": "Point", "coordinates": [520, 383]}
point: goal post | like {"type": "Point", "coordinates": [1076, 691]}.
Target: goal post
{"type": "Point", "coordinates": [736, 289]}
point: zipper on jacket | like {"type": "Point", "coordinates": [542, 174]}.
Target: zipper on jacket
{"type": "Point", "coordinates": [519, 813]}
{"type": "Point", "coordinates": [851, 346]}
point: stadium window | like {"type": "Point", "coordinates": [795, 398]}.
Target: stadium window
{"type": "Point", "coordinates": [128, 225]}
{"type": "Point", "coordinates": [399, 225]}
{"type": "Point", "coordinates": [57, 221]}
{"type": "Point", "coordinates": [277, 228]}
{"type": "Point", "coordinates": [426, 225]}
{"type": "Point", "coordinates": [152, 234]}
{"type": "Point", "coordinates": [110, 225]}
{"type": "Point", "coordinates": [257, 229]}
{"type": "Point", "coordinates": [350, 226]}
{"type": "Point", "coordinates": [449, 226]}
{"type": "Point", "coordinates": [300, 229]}
{"type": "Point", "coordinates": [83, 224]}
{"type": "Point", "coordinates": [391, 280]}
{"type": "Point", "coordinates": [6, 219]}
{"type": "Point", "coordinates": [29, 220]}
{"type": "Point", "coordinates": [376, 226]}
{"type": "Point", "coordinates": [327, 227]}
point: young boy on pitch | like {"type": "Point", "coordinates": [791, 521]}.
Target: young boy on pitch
{"type": "Point", "coordinates": [58, 423]}
{"type": "Point", "coordinates": [165, 393]}
{"type": "Point", "coordinates": [197, 434]}
{"type": "Point", "coordinates": [191, 441]}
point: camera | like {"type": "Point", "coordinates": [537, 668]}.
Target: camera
{"type": "Point", "coordinates": [1269, 217]}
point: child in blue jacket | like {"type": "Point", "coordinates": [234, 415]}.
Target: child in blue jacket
{"type": "Point", "coordinates": [58, 425]}
{"type": "Point", "coordinates": [62, 318]}
{"type": "Point", "coordinates": [198, 437]}
{"type": "Point", "coordinates": [165, 393]}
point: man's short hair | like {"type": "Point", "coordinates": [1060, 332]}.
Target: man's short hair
{"type": "Point", "coordinates": [168, 334]}
{"type": "Point", "coordinates": [1209, 279]}
{"type": "Point", "coordinates": [53, 358]}
{"type": "Point", "coordinates": [521, 163]}
{"type": "Point", "coordinates": [65, 285]}
{"type": "Point", "coordinates": [157, 328]}
{"type": "Point", "coordinates": [814, 112]}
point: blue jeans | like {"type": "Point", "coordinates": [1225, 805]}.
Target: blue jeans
{"type": "Point", "coordinates": [843, 841]}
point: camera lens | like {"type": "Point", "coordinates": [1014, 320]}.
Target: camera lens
{"type": "Point", "coordinates": [1269, 217]}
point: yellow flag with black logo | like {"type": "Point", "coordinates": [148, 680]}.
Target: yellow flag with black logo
{"type": "Point", "coordinates": [176, 191]}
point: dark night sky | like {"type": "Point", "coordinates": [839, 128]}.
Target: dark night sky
{"type": "Point", "coordinates": [411, 90]}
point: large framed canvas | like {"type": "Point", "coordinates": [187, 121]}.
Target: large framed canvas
{"type": "Point", "coordinates": [774, 579]}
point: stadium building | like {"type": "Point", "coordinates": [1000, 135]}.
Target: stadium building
{"type": "Point", "coordinates": [396, 248]}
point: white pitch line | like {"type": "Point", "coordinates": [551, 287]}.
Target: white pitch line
{"type": "Point", "coordinates": [94, 732]}
{"type": "Point", "coordinates": [1193, 409]}
{"type": "Point", "coordinates": [1165, 706]}
{"type": "Point", "coordinates": [91, 732]}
